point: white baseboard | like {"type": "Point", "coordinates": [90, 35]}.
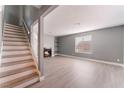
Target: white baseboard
{"type": "Point", "coordinates": [99, 61]}
{"type": "Point", "coordinates": [55, 54]}
{"type": "Point", "coordinates": [42, 78]}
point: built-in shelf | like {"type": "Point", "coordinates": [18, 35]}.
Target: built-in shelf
{"type": "Point", "coordinates": [56, 45]}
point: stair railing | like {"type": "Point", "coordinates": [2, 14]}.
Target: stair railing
{"type": "Point", "coordinates": [28, 33]}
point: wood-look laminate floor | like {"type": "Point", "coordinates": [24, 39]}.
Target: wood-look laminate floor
{"type": "Point", "coordinates": [63, 72]}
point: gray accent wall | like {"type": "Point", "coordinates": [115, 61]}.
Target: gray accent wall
{"type": "Point", "coordinates": [12, 14]}
{"type": "Point", "coordinates": [107, 44]}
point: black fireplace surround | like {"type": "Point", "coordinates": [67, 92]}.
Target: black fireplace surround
{"type": "Point", "coordinates": [47, 52]}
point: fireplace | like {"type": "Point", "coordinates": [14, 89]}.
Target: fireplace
{"type": "Point", "coordinates": [47, 52]}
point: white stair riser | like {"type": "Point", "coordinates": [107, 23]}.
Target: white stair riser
{"type": "Point", "coordinates": [14, 67]}
{"type": "Point", "coordinates": [6, 60]}
{"type": "Point", "coordinates": [7, 53]}
{"type": "Point", "coordinates": [27, 83]}
{"type": "Point", "coordinates": [15, 76]}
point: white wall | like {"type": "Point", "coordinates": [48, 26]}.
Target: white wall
{"type": "Point", "coordinates": [49, 42]}
{"type": "Point", "coordinates": [1, 11]}
{"type": "Point", "coordinates": [34, 39]}
{"type": "Point", "coordinates": [0, 21]}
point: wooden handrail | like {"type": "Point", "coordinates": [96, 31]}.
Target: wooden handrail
{"type": "Point", "coordinates": [27, 31]}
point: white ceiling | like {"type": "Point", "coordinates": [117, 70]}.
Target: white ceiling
{"type": "Point", "coordinates": [66, 20]}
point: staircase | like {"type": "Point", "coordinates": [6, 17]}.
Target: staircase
{"type": "Point", "coordinates": [17, 68]}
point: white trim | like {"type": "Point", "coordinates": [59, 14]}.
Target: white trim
{"type": "Point", "coordinates": [42, 78]}
{"type": "Point", "coordinates": [99, 61]}
{"type": "Point", "coordinates": [56, 54]}
{"type": "Point", "coordinates": [1, 33]}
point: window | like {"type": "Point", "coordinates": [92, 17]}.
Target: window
{"type": "Point", "coordinates": [83, 44]}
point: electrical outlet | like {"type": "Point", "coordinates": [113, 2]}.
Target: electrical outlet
{"type": "Point", "coordinates": [118, 60]}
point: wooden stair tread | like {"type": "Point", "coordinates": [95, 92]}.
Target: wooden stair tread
{"type": "Point", "coordinates": [15, 44]}
{"type": "Point", "coordinates": [16, 62]}
{"type": "Point", "coordinates": [13, 30]}
{"type": "Point", "coordinates": [7, 24]}
{"type": "Point", "coordinates": [17, 75]}
{"type": "Point", "coordinates": [7, 60]}
{"type": "Point", "coordinates": [6, 41]}
{"type": "Point", "coordinates": [14, 37]}
{"type": "Point", "coordinates": [15, 40]}
{"type": "Point", "coordinates": [11, 27]}
{"type": "Point", "coordinates": [15, 49]}
{"type": "Point", "coordinates": [17, 32]}
{"type": "Point", "coordinates": [21, 34]}
{"type": "Point", "coordinates": [18, 81]}
{"type": "Point", "coordinates": [14, 33]}
{"type": "Point", "coordinates": [32, 79]}
{"type": "Point", "coordinates": [16, 55]}
{"type": "Point", "coordinates": [16, 66]}
{"type": "Point", "coordinates": [12, 72]}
